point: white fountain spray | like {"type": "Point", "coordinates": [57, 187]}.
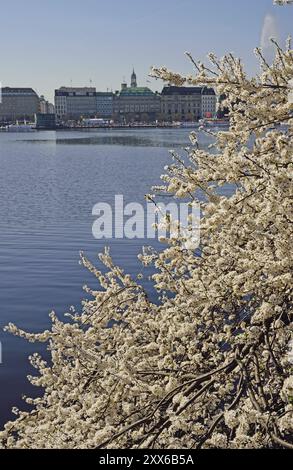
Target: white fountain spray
{"type": "Point", "coordinates": [269, 30]}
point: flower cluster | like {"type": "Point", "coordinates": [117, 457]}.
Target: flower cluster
{"type": "Point", "coordinates": [283, 2]}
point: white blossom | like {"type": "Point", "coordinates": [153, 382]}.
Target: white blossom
{"type": "Point", "coordinates": [283, 2]}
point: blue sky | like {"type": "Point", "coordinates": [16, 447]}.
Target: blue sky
{"type": "Point", "coordinates": [49, 43]}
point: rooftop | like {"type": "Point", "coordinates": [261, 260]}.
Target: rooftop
{"type": "Point", "coordinates": [72, 89]}
{"type": "Point", "coordinates": [136, 91]}
{"type": "Point", "coordinates": [181, 90]}
{"type": "Point", "coordinates": [9, 90]}
{"type": "Point", "coordinates": [104, 93]}
{"type": "Point", "coordinates": [208, 91]}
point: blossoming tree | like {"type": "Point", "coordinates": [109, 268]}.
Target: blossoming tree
{"type": "Point", "coordinates": [208, 366]}
{"type": "Point", "coordinates": [283, 2]}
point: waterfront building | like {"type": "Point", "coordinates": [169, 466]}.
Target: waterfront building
{"type": "Point", "coordinates": [181, 104]}
{"type": "Point", "coordinates": [45, 121]}
{"type": "Point", "coordinates": [51, 108]}
{"type": "Point", "coordinates": [45, 107]}
{"type": "Point", "coordinates": [74, 103]}
{"type": "Point", "coordinates": [18, 104]}
{"type": "Point", "coordinates": [104, 102]}
{"type": "Point", "coordinates": [136, 104]}
{"type": "Point", "coordinates": [208, 103]}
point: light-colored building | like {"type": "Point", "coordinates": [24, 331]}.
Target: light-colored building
{"type": "Point", "coordinates": [43, 105]}
{"type": "Point", "coordinates": [104, 104]}
{"type": "Point", "coordinates": [208, 103]}
{"type": "Point", "coordinates": [51, 108]}
{"type": "Point", "coordinates": [75, 103]}
{"type": "Point", "coordinates": [18, 104]}
{"type": "Point", "coordinates": [136, 104]}
{"type": "Point", "coordinates": [46, 107]}
{"type": "Point", "coordinates": [181, 104]}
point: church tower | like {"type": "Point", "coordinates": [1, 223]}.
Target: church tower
{"type": "Point", "coordinates": [133, 80]}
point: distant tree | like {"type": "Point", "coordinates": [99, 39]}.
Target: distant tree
{"type": "Point", "coordinates": [145, 117]}
{"type": "Point", "coordinates": [177, 117]}
{"type": "Point", "coordinates": [161, 117]}
{"type": "Point", "coordinates": [222, 111]}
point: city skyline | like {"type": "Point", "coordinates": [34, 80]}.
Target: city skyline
{"type": "Point", "coordinates": [98, 43]}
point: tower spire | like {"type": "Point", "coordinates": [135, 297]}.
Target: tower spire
{"type": "Point", "coordinates": [133, 79]}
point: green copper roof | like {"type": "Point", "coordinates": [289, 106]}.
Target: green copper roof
{"type": "Point", "coordinates": [136, 91]}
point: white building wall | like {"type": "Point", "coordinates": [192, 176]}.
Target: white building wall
{"type": "Point", "coordinates": [209, 104]}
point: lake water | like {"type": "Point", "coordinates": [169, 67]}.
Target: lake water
{"type": "Point", "coordinates": [49, 183]}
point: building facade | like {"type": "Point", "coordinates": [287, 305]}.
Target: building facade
{"type": "Point", "coordinates": [75, 103]}
{"type": "Point", "coordinates": [45, 121]}
{"type": "Point", "coordinates": [45, 107]}
{"type": "Point", "coordinates": [208, 103]}
{"type": "Point", "coordinates": [18, 104]}
{"type": "Point", "coordinates": [136, 104]}
{"type": "Point", "coordinates": [104, 102]}
{"type": "Point", "coordinates": [181, 104]}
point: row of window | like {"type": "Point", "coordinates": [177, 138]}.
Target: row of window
{"type": "Point", "coordinates": [195, 113]}
{"type": "Point", "coordinates": [104, 107]}
{"type": "Point", "coordinates": [136, 108]}
{"type": "Point", "coordinates": [173, 109]}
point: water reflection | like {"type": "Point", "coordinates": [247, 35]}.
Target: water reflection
{"type": "Point", "coordinates": [49, 183]}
